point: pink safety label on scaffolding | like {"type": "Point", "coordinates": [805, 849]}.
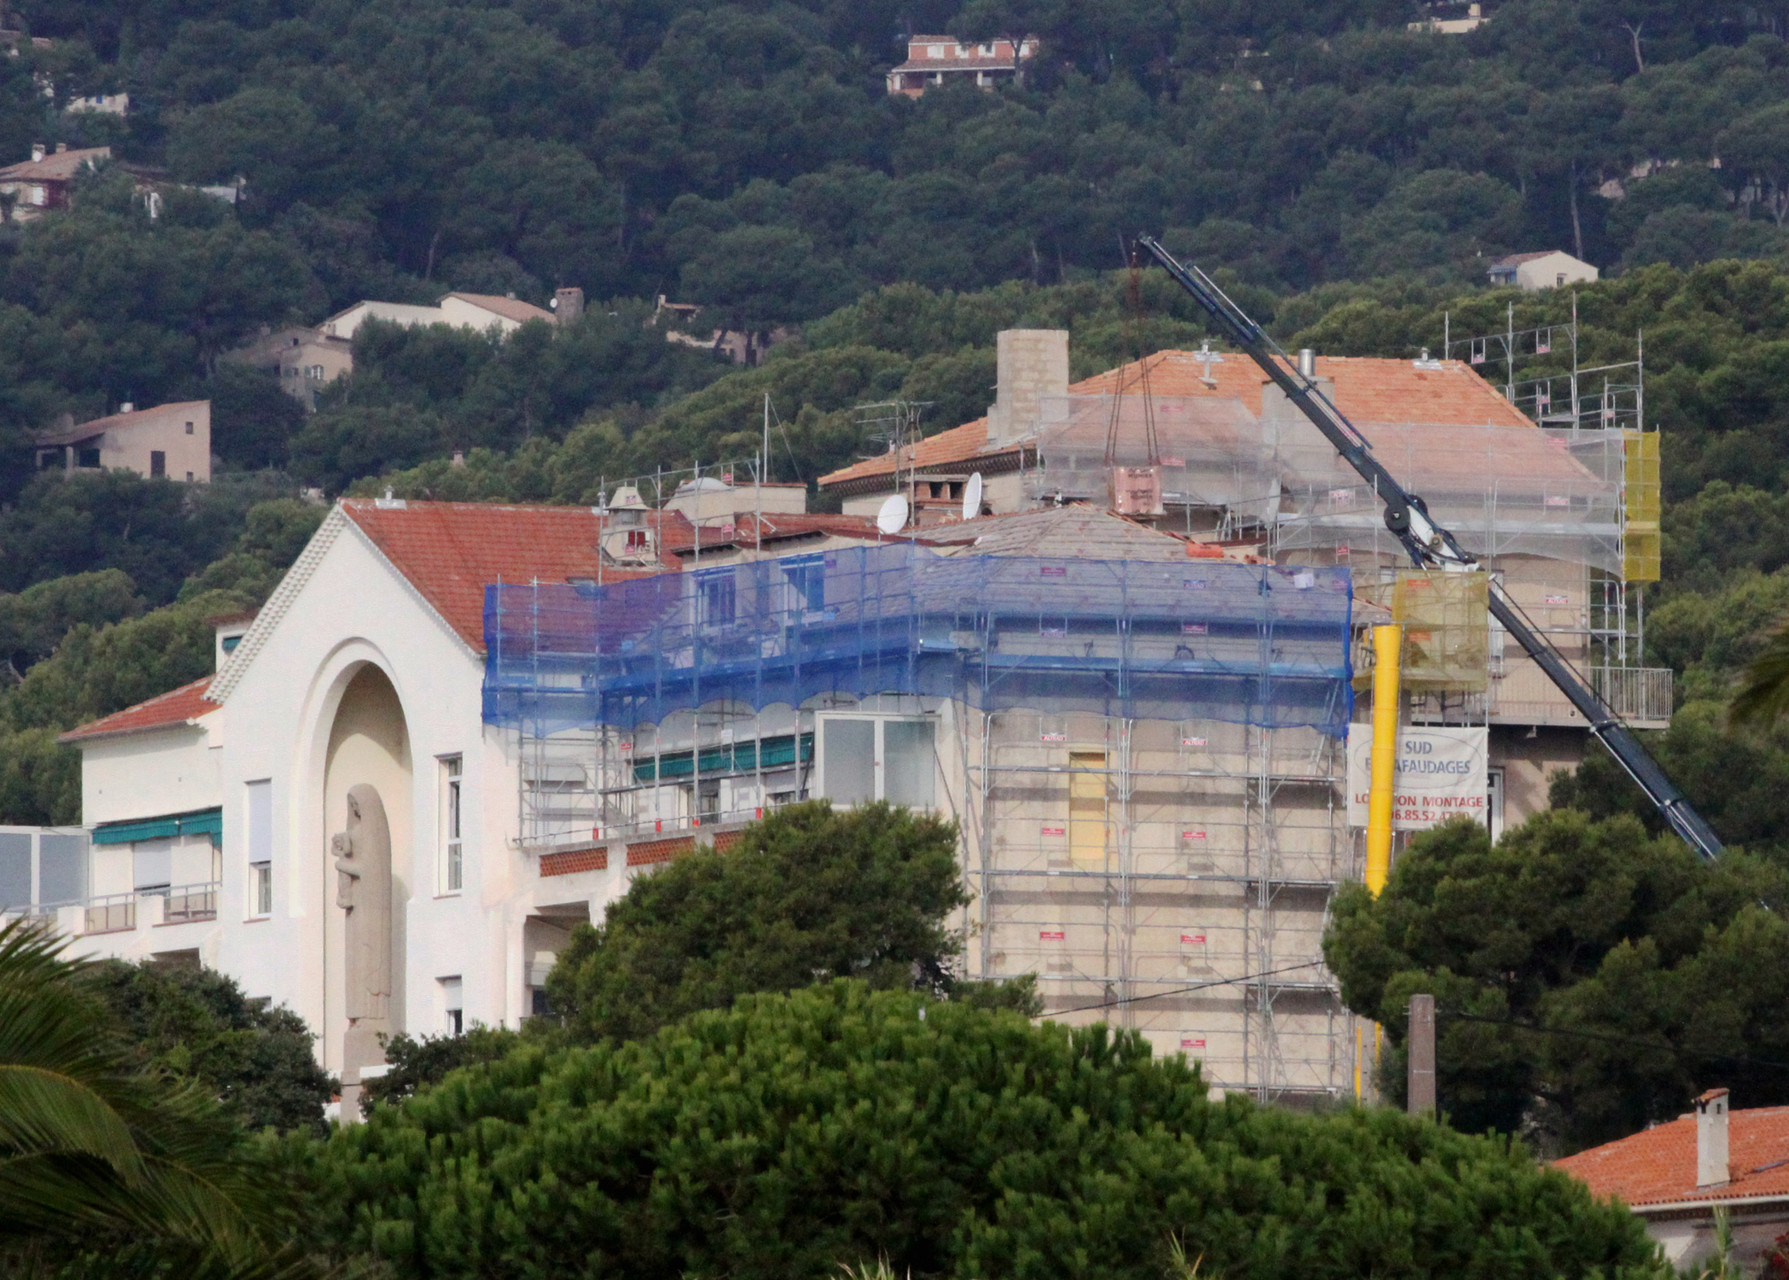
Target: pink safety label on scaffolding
{"type": "Point", "coordinates": [1193, 742]}
{"type": "Point", "coordinates": [1192, 939]}
{"type": "Point", "coordinates": [1192, 1042]}
{"type": "Point", "coordinates": [1055, 831]}
{"type": "Point", "coordinates": [1192, 835]}
{"type": "Point", "coordinates": [1051, 935]}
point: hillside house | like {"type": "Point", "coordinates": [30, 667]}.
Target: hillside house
{"type": "Point", "coordinates": [32, 187]}
{"type": "Point", "coordinates": [933, 61]}
{"type": "Point", "coordinates": [303, 359]}
{"type": "Point", "coordinates": [1547, 269]}
{"type": "Point", "coordinates": [481, 312]}
{"type": "Point", "coordinates": [170, 440]}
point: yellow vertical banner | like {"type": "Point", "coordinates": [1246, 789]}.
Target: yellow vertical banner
{"type": "Point", "coordinates": [1387, 643]}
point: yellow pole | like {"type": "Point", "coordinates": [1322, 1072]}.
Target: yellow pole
{"type": "Point", "coordinates": [1387, 643]}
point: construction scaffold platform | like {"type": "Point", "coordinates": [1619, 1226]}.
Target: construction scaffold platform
{"type": "Point", "coordinates": [1145, 759]}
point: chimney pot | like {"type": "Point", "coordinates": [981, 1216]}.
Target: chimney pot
{"type": "Point", "coordinates": [1307, 362]}
{"type": "Point", "coordinates": [127, 407]}
{"type": "Point", "coordinates": [37, 150]}
{"type": "Point", "coordinates": [1711, 1139]}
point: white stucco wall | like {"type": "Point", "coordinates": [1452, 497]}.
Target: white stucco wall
{"type": "Point", "coordinates": [148, 775]}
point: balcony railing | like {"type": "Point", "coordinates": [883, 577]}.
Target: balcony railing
{"type": "Point", "coordinates": [178, 904]}
{"type": "Point", "coordinates": [111, 913]}
{"type": "Point", "coordinates": [1639, 695]}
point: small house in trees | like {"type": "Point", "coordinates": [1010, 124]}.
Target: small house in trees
{"type": "Point", "coordinates": [933, 61]}
{"type": "Point", "coordinates": [1548, 269]}
{"type": "Point", "coordinates": [170, 440]}
{"type": "Point", "coordinates": [32, 187]}
{"type": "Point", "coordinates": [482, 312]}
{"type": "Point", "coordinates": [1676, 1175]}
{"type": "Point", "coordinates": [303, 359]}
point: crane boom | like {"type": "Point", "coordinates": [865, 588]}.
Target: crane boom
{"type": "Point", "coordinates": [1431, 546]}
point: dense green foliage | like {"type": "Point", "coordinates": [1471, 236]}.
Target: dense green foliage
{"type": "Point", "coordinates": [1650, 974]}
{"type": "Point", "coordinates": [82, 644]}
{"type": "Point", "coordinates": [196, 1024]}
{"type": "Point", "coordinates": [804, 895]}
{"type": "Point", "coordinates": [793, 1134]}
{"type": "Point", "coordinates": [109, 1168]}
{"type": "Point", "coordinates": [746, 157]}
{"type": "Point", "coordinates": [416, 1062]}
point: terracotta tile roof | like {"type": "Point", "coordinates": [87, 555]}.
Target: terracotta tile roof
{"type": "Point", "coordinates": [509, 308]}
{"type": "Point", "coordinates": [450, 551]}
{"type": "Point", "coordinates": [1368, 389]}
{"type": "Point", "coordinates": [959, 444]}
{"type": "Point", "coordinates": [176, 707]}
{"type": "Point", "coordinates": [135, 418]}
{"type": "Point", "coordinates": [1658, 1166]}
{"type": "Point", "coordinates": [976, 62]}
{"type": "Point", "coordinates": [778, 527]}
{"type": "Point", "coordinates": [1517, 259]}
{"type": "Point", "coordinates": [58, 166]}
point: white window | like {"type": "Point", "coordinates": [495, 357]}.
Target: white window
{"type": "Point", "coordinates": [934, 51]}
{"type": "Point", "coordinates": [258, 830]}
{"type": "Point", "coordinates": [453, 1006]}
{"type": "Point", "coordinates": [452, 847]}
{"type": "Point", "coordinates": [865, 758]}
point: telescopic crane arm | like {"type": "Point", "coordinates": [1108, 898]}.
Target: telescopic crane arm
{"type": "Point", "coordinates": [1432, 547]}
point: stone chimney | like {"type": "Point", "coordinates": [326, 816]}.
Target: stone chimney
{"type": "Point", "coordinates": [1033, 366]}
{"type": "Point", "coordinates": [1711, 1139]}
{"type": "Point", "coordinates": [568, 304]}
{"type": "Point", "coordinates": [61, 147]}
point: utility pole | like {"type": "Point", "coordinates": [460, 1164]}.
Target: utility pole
{"type": "Point", "coordinates": [1419, 1049]}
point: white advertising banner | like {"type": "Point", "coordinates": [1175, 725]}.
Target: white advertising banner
{"type": "Point", "coordinates": [1441, 775]}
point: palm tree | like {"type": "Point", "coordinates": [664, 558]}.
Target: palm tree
{"type": "Point", "coordinates": [105, 1167]}
{"type": "Point", "coordinates": [1763, 693]}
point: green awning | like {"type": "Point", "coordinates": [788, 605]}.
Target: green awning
{"type": "Point", "coordinates": [199, 822]}
{"type": "Point", "coordinates": [733, 758]}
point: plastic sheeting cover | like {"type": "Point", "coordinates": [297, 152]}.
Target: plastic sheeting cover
{"type": "Point", "coordinates": [1239, 643]}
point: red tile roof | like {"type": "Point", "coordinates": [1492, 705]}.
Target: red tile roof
{"type": "Point", "coordinates": [509, 308]}
{"type": "Point", "coordinates": [778, 527]}
{"type": "Point", "coordinates": [176, 707]}
{"type": "Point", "coordinates": [451, 551]}
{"type": "Point", "coordinates": [1658, 1166]}
{"type": "Point", "coordinates": [58, 166]}
{"type": "Point", "coordinates": [118, 421]}
{"type": "Point", "coordinates": [1368, 389]}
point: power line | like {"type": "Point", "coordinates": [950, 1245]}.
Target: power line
{"type": "Point", "coordinates": [1614, 1038]}
{"type": "Point", "coordinates": [1181, 991]}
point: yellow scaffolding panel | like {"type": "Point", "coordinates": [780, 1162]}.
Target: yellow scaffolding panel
{"type": "Point", "coordinates": [1446, 621]}
{"type": "Point", "coordinates": [1640, 528]}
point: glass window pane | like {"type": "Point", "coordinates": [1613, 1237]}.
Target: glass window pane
{"type": "Point", "coordinates": [907, 762]}
{"type": "Point", "coordinates": [849, 750]}
{"type": "Point", "coordinates": [15, 869]}
{"type": "Point", "coordinates": [61, 867]}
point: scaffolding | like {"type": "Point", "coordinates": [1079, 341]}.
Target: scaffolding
{"type": "Point", "coordinates": [1145, 759]}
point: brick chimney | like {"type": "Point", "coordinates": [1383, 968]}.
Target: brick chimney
{"type": "Point", "coordinates": [1032, 365]}
{"type": "Point", "coordinates": [1711, 1139]}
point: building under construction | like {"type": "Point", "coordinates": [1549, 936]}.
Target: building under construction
{"type": "Point", "coordinates": [1117, 641]}
{"type": "Point", "coordinates": [1143, 756]}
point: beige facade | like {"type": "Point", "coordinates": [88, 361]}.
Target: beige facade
{"type": "Point", "coordinates": [1551, 269]}
{"type": "Point", "coordinates": [304, 360]}
{"type": "Point", "coordinates": [170, 440]}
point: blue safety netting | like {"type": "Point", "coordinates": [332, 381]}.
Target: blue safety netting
{"type": "Point", "coordinates": [1262, 645]}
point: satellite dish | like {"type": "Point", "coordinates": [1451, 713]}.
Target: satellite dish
{"type": "Point", "coordinates": [892, 518]}
{"type": "Point", "coordinates": [972, 497]}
